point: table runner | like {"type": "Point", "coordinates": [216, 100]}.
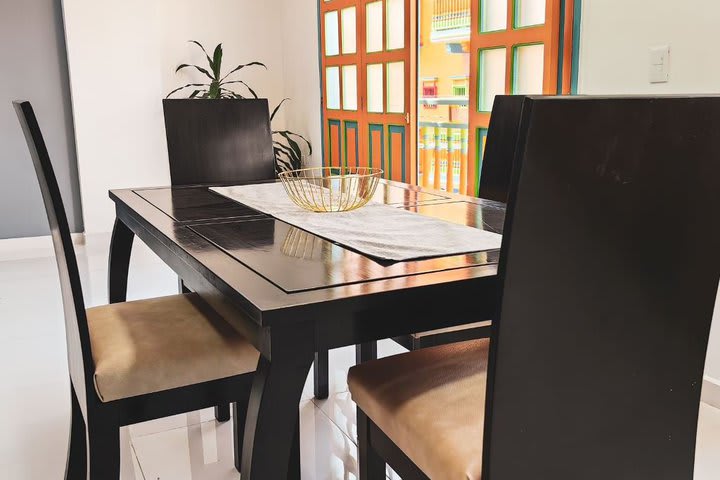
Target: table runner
{"type": "Point", "coordinates": [377, 230]}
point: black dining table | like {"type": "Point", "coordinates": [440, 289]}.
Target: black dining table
{"type": "Point", "coordinates": [299, 293]}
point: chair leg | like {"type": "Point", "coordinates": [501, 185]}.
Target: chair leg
{"type": "Point", "coordinates": [239, 414]}
{"type": "Point", "coordinates": [76, 468]}
{"type": "Point", "coordinates": [222, 413]}
{"type": "Point", "coordinates": [370, 464]}
{"type": "Point", "coordinates": [321, 375]}
{"type": "Point", "coordinates": [181, 286]}
{"type": "Point", "coordinates": [103, 441]}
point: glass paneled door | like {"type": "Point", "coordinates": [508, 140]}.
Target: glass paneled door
{"type": "Point", "coordinates": [368, 99]}
{"type": "Point", "coordinates": [339, 22]}
{"type": "Point", "coordinates": [516, 47]}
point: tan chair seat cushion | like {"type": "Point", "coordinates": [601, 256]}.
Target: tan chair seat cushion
{"type": "Point", "coordinates": [163, 343]}
{"type": "Point", "coordinates": [431, 404]}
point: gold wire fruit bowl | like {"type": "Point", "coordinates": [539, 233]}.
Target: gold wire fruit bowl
{"type": "Point", "coordinates": [331, 189]}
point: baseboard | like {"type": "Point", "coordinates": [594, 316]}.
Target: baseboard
{"type": "Point", "coordinates": [29, 247]}
{"type": "Point", "coordinates": [711, 391]}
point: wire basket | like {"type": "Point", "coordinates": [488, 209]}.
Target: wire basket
{"type": "Point", "coordinates": [331, 189]}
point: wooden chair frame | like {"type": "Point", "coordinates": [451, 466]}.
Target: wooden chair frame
{"type": "Point", "coordinates": [193, 161]}
{"type": "Point", "coordinates": [616, 325]}
{"type": "Point", "coordinates": [494, 185]}
{"type": "Point", "coordinates": [94, 437]}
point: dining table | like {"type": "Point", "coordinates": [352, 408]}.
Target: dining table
{"type": "Point", "coordinates": [293, 293]}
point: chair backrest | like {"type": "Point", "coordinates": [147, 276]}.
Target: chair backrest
{"type": "Point", "coordinates": [78, 341]}
{"type": "Point", "coordinates": [218, 141]}
{"type": "Point", "coordinates": [502, 135]}
{"type": "Point", "coordinates": [609, 274]}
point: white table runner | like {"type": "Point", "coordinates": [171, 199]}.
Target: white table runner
{"type": "Point", "coordinates": [376, 229]}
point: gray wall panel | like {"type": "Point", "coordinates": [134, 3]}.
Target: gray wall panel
{"type": "Point", "coordinates": [33, 66]}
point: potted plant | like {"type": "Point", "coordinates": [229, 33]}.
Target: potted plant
{"type": "Point", "coordinates": [287, 146]}
{"type": "Point", "coordinates": [215, 124]}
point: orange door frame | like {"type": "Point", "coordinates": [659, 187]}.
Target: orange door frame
{"type": "Point", "coordinates": [358, 137]}
{"type": "Point", "coordinates": [548, 34]}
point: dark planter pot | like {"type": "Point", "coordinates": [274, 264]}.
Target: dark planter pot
{"type": "Point", "coordinates": [218, 141]}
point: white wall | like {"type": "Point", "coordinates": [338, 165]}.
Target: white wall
{"type": "Point", "coordinates": [34, 67]}
{"type": "Point", "coordinates": [302, 71]}
{"type": "Point", "coordinates": [615, 37]}
{"type": "Point", "coordinates": [122, 56]}
{"type": "Point", "coordinates": [616, 34]}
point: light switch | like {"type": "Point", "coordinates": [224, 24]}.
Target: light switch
{"type": "Point", "coordinates": [659, 66]}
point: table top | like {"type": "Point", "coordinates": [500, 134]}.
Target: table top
{"type": "Point", "coordinates": [269, 267]}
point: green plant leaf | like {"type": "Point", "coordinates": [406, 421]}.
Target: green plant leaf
{"type": "Point", "coordinates": [240, 67]}
{"type": "Point", "coordinates": [283, 147]}
{"type": "Point", "coordinates": [280, 164]}
{"type": "Point", "coordinates": [217, 61]}
{"type": "Point", "coordinates": [194, 94]}
{"type": "Point", "coordinates": [231, 94]}
{"type": "Point", "coordinates": [246, 85]}
{"type": "Point", "coordinates": [290, 153]}
{"type": "Point", "coordinates": [293, 144]}
{"type": "Point", "coordinates": [214, 90]}
{"type": "Point", "coordinates": [272, 116]}
{"type": "Point", "coordinates": [288, 132]}
{"type": "Point", "coordinates": [186, 86]}
{"type": "Point", "coordinates": [200, 69]}
{"type": "Point", "coordinates": [204, 51]}
{"type": "Point", "coordinates": [285, 161]}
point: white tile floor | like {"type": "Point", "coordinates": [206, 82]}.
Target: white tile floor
{"type": "Point", "coordinates": [34, 397]}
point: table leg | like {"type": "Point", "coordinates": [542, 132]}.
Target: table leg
{"type": "Point", "coordinates": [119, 261]}
{"type": "Point", "coordinates": [272, 413]}
{"type": "Point", "coordinates": [321, 369]}
{"type": "Point", "coordinates": [365, 352]}
{"type": "Point", "coordinates": [294, 470]}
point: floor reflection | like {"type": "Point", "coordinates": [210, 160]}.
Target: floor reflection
{"type": "Point", "coordinates": [327, 453]}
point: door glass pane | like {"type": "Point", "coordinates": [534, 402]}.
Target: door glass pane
{"type": "Point", "coordinates": [395, 24]}
{"type": "Point", "coordinates": [349, 79]}
{"type": "Point", "coordinates": [374, 30]}
{"type": "Point", "coordinates": [349, 33]}
{"type": "Point", "coordinates": [491, 78]}
{"type": "Point", "coordinates": [529, 12]}
{"type": "Point", "coordinates": [529, 66]}
{"type": "Point", "coordinates": [493, 15]}
{"type": "Point", "coordinates": [444, 88]}
{"type": "Point", "coordinates": [375, 88]}
{"type": "Point", "coordinates": [396, 87]}
{"type": "Point", "coordinates": [332, 79]}
{"type": "Point", "coordinates": [332, 39]}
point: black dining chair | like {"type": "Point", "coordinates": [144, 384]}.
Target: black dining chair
{"type": "Point", "coordinates": [218, 142]}
{"type": "Point", "coordinates": [496, 172]}
{"type": "Point", "coordinates": [219, 145]}
{"type": "Point", "coordinates": [608, 276]}
{"type": "Point", "coordinates": [133, 361]}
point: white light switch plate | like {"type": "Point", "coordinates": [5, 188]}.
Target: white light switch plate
{"type": "Point", "coordinates": [659, 64]}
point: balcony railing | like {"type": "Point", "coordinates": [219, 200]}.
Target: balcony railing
{"type": "Point", "coordinates": [451, 20]}
{"type": "Point", "coordinates": [443, 151]}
